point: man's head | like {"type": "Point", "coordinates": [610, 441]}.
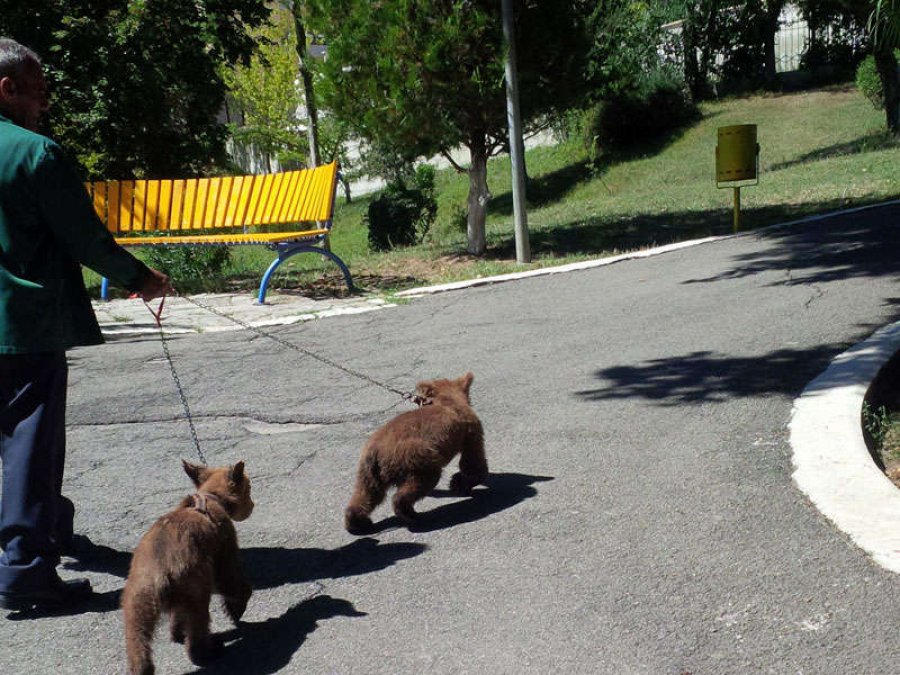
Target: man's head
{"type": "Point", "coordinates": [23, 89]}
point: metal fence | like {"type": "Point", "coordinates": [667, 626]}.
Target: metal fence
{"type": "Point", "coordinates": [793, 42]}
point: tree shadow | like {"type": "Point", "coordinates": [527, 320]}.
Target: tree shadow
{"type": "Point", "coordinates": [608, 234]}
{"type": "Point", "coordinates": [710, 377]}
{"type": "Point", "coordinates": [553, 187]}
{"type": "Point", "coordinates": [871, 142]}
{"type": "Point", "coordinates": [272, 567]}
{"type": "Point", "coordinates": [263, 647]}
{"type": "Point", "coordinates": [547, 188]}
{"type": "Point", "coordinates": [864, 246]}
{"type": "Point", "coordinates": [500, 491]}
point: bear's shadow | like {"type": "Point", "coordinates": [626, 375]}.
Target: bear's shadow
{"type": "Point", "coordinates": [263, 647]}
{"type": "Point", "coordinates": [499, 492]}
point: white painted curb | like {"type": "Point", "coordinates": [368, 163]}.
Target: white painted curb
{"type": "Point", "coordinates": [543, 271]}
{"type": "Point", "coordinates": [646, 253]}
{"type": "Point", "coordinates": [832, 463]}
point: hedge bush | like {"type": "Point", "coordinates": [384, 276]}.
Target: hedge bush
{"type": "Point", "coordinates": [658, 105]}
{"type": "Point", "coordinates": [402, 215]}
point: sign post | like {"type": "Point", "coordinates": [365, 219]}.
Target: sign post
{"type": "Point", "coordinates": [737, 161]}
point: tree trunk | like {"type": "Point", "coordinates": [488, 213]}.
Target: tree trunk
{"type": "Point", "coordinates": [691, 67]}
{"type": "Point", "coordinates": [771, 68]}
{"type": "Point", "coordinates": [309, 96]}
{"type": "Point", "coordinates": [479, 197]}
{"type": "Point", "coordinates": [886, 63]}
{"type": "Point", "coordinates": [346, 185]}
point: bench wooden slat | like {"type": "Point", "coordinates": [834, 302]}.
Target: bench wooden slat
{"type": "Point", "coordinates": [126, 198]}
{"type": "Point", "coordinates": [138, 209]}
{"type": "Point", "coordinates": [220, 208]}
{"type": "Point", "coordinates": [99, 194]}
{"type": "Point", "coordinates": [151, 205]}
{"type": "Point", "coordinates": [164, 205]}
{"type": "Point", "coordinates": [213, 185]}
{"type": "Point", "coordinates": [282, 187]}
{"type": "Point", "coordinates": [287, 206]}
{"type": "Point", "coordinates": [243, 203]}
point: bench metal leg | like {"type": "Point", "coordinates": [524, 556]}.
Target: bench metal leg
{"type": "Point", "coordinates": [286, 253]}
{"type": "Point", "coordinates": [104, 289]}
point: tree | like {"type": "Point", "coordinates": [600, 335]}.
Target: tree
{"type": "Point", "coordinates": [884, 25]}
{"type": "Point", "coordinates": [883, 20]}
{"type": "Point", "coordinates": [421, 77]}
{"type": "Point", "coordinates": [306, 77]}
{"type": "Point", "coordinates": [265, 90]}
{"type": "Point", "coordinates": [136, 84]}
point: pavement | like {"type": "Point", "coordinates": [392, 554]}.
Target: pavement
{"type": "Point", "coordinates": [220, 312]}
{"type": "Point", "coordinates": [833, 466]}
{"type": "Point", "coordinates": [642, 515]}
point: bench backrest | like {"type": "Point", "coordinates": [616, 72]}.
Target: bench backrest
{"type": "Point", "coordinates": [216, 203]}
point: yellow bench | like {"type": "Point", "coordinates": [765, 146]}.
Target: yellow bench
{"type": "Point", "coordinates": [231, 210]}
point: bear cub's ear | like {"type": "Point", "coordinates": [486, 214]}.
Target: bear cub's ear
{"type": "Point", "coordinates": [195, 472]}
{"type": "Point", "coordinates": [465, 382]}
{"type": "Point", "coordinates": [237, 473]}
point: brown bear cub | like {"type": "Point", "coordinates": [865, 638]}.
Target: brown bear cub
{"type": "Point", "coordinates": [409, 452]}
{"type": "Point", "coordinates": [186, 556]}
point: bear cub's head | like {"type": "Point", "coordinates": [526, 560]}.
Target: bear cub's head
{"type": "Point", "coordinates": [229, 484]}
{"type": "Point", "coordinates": [445, 392]}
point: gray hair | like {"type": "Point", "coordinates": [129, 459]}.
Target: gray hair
{"type": "Point", "coordinates": [15, 58]}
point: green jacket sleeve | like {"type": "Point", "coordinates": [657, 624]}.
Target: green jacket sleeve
{"type": "Point", "coordinates": [67, 209]}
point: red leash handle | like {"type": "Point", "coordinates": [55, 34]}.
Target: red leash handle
{"type": "Point", "coordinates": [157, 315]}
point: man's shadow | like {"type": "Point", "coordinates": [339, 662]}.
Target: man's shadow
{"type": "Point", "coordinates": [499, 492]}
{"type": "Point", "coordinates": [262, 647]}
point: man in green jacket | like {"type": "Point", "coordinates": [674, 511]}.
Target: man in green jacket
{"type": "Point", "coordinates": [48, 229]}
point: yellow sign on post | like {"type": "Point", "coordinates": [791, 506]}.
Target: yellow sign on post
{"type": "Point", "coordinates": [737, 160]}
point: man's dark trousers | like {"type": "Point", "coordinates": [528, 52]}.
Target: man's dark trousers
{"type": "Point", "coordinates": [33, 452]}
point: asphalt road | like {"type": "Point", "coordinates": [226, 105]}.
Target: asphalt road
{"type": "Point", "coordinates": [640, 518]}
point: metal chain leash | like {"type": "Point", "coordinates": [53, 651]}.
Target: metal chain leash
{"type": "Point", "coordinates": [157, 315]}
{"type": "Point", "coordinates": [407, 396]}
{"type": "Point", "coordinates": [184, 402]}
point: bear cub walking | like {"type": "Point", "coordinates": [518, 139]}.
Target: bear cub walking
{"type": "Point", "coordinates": [186, 556]}
{"type": "Point", "coordinates": [410, 451]}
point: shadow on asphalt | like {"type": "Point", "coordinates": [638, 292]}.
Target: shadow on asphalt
{"type": "Point", "coordinates": [709, 377]}
{"type": "Point", "coordinates": [98, 603]}
{"type": "Point", "coordinates": [273, 567]}
{"type": "Point", "coordinates": [91, 557]}
{"type": "Point", "coordinates": [500, 492]}
{"type": "Point", "coordinates": [863, 246]}
{"type": "Point", "coordinates": [259, 648]}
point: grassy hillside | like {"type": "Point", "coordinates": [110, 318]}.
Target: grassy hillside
{"type": "Point", "coordinates": [820, 150]}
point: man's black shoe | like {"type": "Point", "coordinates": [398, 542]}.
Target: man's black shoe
{"type": "Point", "coordinates": [58, 595]}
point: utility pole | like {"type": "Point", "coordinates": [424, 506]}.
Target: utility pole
{"type": "Point", "coordinates": [516, 146]}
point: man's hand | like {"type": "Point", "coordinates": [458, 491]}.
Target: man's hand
{"type": "Point", "coordinates": [155, 285]}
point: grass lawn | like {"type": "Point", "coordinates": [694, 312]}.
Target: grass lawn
{"type": "Point", "coordinates": [820, 150]}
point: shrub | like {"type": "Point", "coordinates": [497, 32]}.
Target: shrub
{"type": "Point", "coordinates": [191, 268]}
{"type": "Point", "coordinates": [868, 81]}
{"type": "Point", "coordinates": [401, 215]}
{"type": "Point", "coordinates": [657, 106]}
